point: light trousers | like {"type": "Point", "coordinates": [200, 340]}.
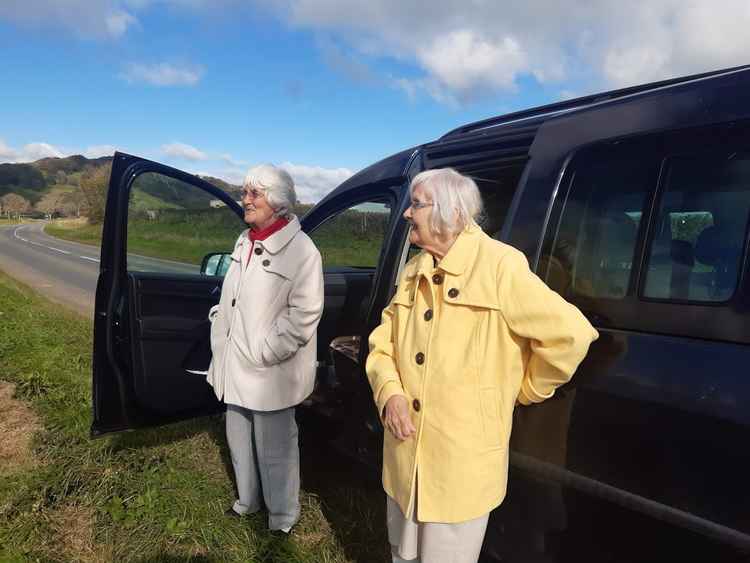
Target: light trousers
{"type": "Point", "coordinates": [265, 454]}
{"type": "Point", "coordinates": [432, 542]}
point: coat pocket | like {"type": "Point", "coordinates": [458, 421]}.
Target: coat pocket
{"type": "Point", "coordinates": [494, 431]}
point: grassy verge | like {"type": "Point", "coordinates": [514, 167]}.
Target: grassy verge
{"type": "Point", "coordinates": [190, 241]}
{"type": "Point", "coordinates": [76, 230]}
{"type": "Point", "coordinates": [156, 495]}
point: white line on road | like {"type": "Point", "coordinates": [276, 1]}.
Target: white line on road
{"type": "Point", "coordinates": [15, 234]}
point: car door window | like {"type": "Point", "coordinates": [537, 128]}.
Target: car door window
{"type": "Point", "coordinates": [696, 248]}
{"type": "Point", "coordinates": [173, 225]}
{"type": "Point", "coordinates": [354, 237]}
{"type": "Point", "coordinates": [595, 244]}
{"type": "Point", "coordinates": [649, 232]}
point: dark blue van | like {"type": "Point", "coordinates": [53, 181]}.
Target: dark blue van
{"type": "Point", "coordinates": [632, 204]}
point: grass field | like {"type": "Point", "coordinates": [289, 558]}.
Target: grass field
{"type": "Point", "coordinates": [188, 236]}
{"type": "Point", "coordinates": [155, 495]}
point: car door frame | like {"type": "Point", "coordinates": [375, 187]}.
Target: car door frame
{"type": "Point", "coordinates": [112, 284]}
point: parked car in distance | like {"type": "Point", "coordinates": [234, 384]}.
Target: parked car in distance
{"type": "Point", "coordinates": [632, 204]}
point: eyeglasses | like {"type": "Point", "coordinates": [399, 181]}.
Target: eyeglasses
{"type": "Point", "coordinates": [416, 205]}
{"type": "Point", "coordinates": [252, 193]}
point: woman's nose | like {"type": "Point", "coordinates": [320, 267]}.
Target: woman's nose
{"type": "Point", "coordinates": [407, 213]}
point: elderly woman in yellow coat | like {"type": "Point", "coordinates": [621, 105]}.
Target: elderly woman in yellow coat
{"type": "Point", "coordinates": [470, 332]}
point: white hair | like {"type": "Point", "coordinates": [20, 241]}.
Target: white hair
{"type": "Point", "coordinates": [276, 184]}
{"type": "Point", "coordinates": [456, 201]}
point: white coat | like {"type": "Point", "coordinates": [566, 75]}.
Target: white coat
{"type": "Point", "coordinates": [263, 331]}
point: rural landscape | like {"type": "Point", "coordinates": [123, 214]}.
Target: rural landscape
{"type": "Point", "coordinates": [65, 497]}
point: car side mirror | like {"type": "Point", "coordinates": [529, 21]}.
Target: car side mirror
{"type": "Point", "coordinates": [215, 264]}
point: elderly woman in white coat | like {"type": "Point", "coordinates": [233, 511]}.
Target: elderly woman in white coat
{"type": "Point", "coordinates": [263, 338]}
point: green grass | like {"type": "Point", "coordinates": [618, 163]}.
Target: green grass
{"type": "Point", "coordinates": [154, 495]}
{"type": "Point", "coordinates": [77, 231]}
{"type": "Point", "coordinates": [188, 237]}
{"type": "Point", "coordinates": [177, 241]}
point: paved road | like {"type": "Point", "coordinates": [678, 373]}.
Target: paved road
{"type": "Point", "coordinates": [66, 272]}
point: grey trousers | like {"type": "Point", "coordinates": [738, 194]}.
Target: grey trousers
{"type": "Point", "coordinates": [265, 456]}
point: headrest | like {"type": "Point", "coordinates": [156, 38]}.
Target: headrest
{"type": "Point", "coordinates": [716, 246]}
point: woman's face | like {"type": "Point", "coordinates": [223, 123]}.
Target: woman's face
{"type": "Point", "coordinates": [418, 214]}
{"type": "Point", "coordinates": [258, 212]}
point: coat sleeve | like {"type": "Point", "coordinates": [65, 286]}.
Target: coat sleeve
{"type": "Point", "coordinates": [558, 333]}
{"type": "Point", "coordinates": [381, 369]}
{"type": "Point", "coordinates": [297, 324]}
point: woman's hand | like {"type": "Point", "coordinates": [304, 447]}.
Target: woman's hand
{"type": "Point", "coordinates": [396, 418]}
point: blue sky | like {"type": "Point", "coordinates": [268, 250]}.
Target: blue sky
{"type": "Point", "coordinates": [322, 87]}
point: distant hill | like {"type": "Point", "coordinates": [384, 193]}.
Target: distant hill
{"type": "Point", "coordinates": [35, 180]}
{"type": "Point", "coordinates": [69, 164]}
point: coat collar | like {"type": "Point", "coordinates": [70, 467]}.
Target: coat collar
{"type": "Point", "coordinates": [463, 252]}
{"type": "Point", "coordinates": [281, 238]}
{"type": "Point", "coordinates": [460, 256]}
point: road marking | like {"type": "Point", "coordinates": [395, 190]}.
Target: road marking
{"type": "Point", "coordinates": [60, 250]}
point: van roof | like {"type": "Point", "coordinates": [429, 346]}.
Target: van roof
{"type": "Point", "coordinates": [542, 113]}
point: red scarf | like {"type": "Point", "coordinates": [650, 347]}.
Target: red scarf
{"type": "Point", "coordinates": [263, 234]}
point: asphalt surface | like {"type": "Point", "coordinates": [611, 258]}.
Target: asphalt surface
{"type": "Point", "coordinates": [65, 272]}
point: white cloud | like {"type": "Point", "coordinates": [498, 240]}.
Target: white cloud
{"type": "Point", "coordinates": [230, 160]}
{"type": "Point", "coordinates": [7, 154]}
{"type": "Point", "coordinates": [117, 23]}
{"type": "Point", "coordinates": [314, 182]}
{"type": "Point", "coordinates": [29, 152]}
{"type": "Point", "coordinates": [181, 150]}
{"type": "Point", "coordinates": [163, 74]}
{"type": "Point", "coordinates": [466, 50]}
{"type": "Point", "coordinates": [35, 151]}
{"type": "Point", "coordinates": [96, 19]}
{"type": "Point", "coordinates": [96, 151]}
{"type": "Point", "coordinates": [462, 60]}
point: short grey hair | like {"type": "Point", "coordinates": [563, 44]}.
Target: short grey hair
{"type": "Point", "coordinates": [276, 184]}
{"type": "Point", "coordinates": [456, 201]}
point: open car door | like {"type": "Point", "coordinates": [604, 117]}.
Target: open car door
{"type": "Point", "coordinates": [151, 328]}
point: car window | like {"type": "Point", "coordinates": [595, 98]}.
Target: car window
{"type": "Point", "coordinates": [173, 225]}
{"type": "Point", "coordinates": [594, 247]}
{"type": "Point", "coordinates": [354, 237]}
{"type": "Point", "coordinates": [697, 244]}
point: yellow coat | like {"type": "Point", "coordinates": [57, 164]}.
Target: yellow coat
{"type": "Point", "coordinates": [494, 334]}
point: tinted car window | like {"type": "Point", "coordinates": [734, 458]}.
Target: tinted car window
{"type": "Point", "coordinates": [594, 248]}
{"type": "Point", "coordinates": [696, 248]}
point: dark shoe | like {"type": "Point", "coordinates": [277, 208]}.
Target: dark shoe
{"type": "Point", "coordinates": [231, 513]}
{"type": "Point", "coordinates": [280, 534]}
